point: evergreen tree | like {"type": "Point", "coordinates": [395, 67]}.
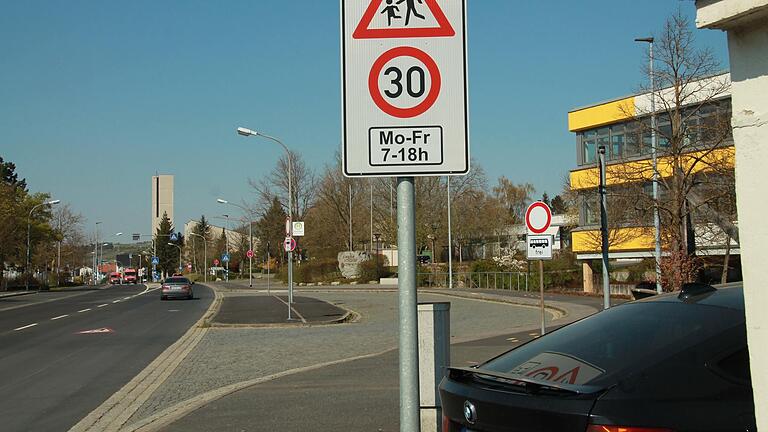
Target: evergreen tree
{"type": "Point", "coordinates": [168, 255]}
{"type": "Point", "coordinates": [271, 230]}
{"type": "Point", "coordinates": [202, 228]}
{"type": "Point", "coordinates": [559, 206]}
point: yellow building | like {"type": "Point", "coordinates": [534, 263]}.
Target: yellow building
{"type": "Point", "coordinates": [621, 126]}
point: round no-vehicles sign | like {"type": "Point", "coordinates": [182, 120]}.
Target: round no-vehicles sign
{"type": "Point", "coordinates": [404, 81]}
{"type": "Point", "coordinates": [538, 217]}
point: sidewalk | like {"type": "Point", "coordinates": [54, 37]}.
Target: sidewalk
{"type": "Point", "coordinates": [311, 375]}
{"type": "Point", "coordinates": [360, 395]}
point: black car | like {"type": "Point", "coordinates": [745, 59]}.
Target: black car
{"type": "Point", "coordinates": [674, 362]}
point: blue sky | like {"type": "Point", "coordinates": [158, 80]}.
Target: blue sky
{"type": "Point", "coordinates": [96, 97]}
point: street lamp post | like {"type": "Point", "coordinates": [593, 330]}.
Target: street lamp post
{"type": "Point", "coordinates": [248, 132]}
{"type": "Point", "coordinates": [29, 228]}
{"type": "Point", "coordinates": [376, 237]}
{"type": "Point", "coordinates": [656, 222]}
{"type": "Point", "coordinates": [96, 254]}
{"type": "Point", "coordinates": [250, 237]}
{"type": "Point", "coordinates": [179, 248]}
{"type": "Point", "coordinates": [205, 255]}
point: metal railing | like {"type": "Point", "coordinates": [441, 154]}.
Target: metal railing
{"type": "Point", "coordinates": [477, 280]}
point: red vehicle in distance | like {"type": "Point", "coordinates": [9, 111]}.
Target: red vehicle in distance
{"type": "Point", "coordinates": [130, 276]}
{"type": "Point", "coordinates": [115, 278]}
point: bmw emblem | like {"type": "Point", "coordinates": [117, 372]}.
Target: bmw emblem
{"type": "Point", "coordinates": [470, 414]}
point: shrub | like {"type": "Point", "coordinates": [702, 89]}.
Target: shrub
{"type": "Point", "coordinates": [369, 270]}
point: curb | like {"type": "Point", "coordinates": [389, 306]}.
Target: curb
{"type": "Point", "coordinates": [118, 409]}
{"type": "Point", "coordinates": [348, 317]}
{"type": "Point", "coordinates": [17, 294]}
{"type": "Point", "coordinates": [554, 310]}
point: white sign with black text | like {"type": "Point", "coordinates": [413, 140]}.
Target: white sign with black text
{"type": "Point", "coordinates": [539, 247]}
{"type": "Point", "coordinates": [298, 229]}
{"type": "Point", "coordinates": [404, 87]}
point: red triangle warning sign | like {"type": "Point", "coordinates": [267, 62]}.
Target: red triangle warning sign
{"type": "Point", "coordinates": [403, 19]}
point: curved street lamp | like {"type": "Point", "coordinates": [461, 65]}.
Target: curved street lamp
{"type": "Point", "coordinates": [179, 248]}
{"type": "Point", "coordinates": [29, 227]}
{"type": "Point", "coordinates": [250, 237]}
{"type": "Point", "coordinates": [205, 254]}
{"type": "Point", "coordinates": [251, 133]}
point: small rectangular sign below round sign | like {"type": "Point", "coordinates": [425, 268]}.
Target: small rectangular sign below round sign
{"type": "Point", "coordinates": [539, 247]}
{"type": "Point", "coordinates": [404, 88]}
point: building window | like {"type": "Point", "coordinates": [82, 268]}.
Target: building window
{"type": "Point", "coordinates": [588, 147]}
{"type": "Point", "coordinates": [617, 142]}
{"type": "Point", "coordinates": [604, 139]}
{"type": "Point", "coordinates": [591, 208]}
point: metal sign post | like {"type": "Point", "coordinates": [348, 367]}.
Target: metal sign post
{"type": "Point", "coordinates": [538, 218]}
{"type": "Point", "coordinates": [405, 114]}
{"type": "Point", "coordinates": [408, 307]}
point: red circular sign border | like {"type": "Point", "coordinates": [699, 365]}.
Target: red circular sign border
{"type": "Point", "coordinates": [423, 106]}
{"type": "Point", "coordinates": [528, 214]}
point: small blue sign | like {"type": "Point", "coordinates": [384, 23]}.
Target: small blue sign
{"type": "Point", "coordinates": [155, 260]}
{"type": "Point", "coordinates": [174, 237]}
{"type": "Point", "coordinates": [225, 257]}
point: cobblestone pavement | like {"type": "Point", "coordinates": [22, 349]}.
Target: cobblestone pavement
{"type": "Point", "coordinates": [227, 356]}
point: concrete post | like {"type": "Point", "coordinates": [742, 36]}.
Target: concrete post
{"type": "Point", "coordinates": [587, 277]}
{"type": "Point", "coordinates": [434, 357]}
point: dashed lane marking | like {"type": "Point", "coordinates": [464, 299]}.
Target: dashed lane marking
{"type": "Point", "coordinates": [116, 301]}
{"type": "Point", "coordinates": [59, 317]}
{"type": "Point", "coordinates": [84, 310]}
{"type": "Point", "coordinates": [102, 305]}
{"type": "Point", "coordinates": [25, 327]}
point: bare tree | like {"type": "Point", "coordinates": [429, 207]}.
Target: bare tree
{"type": "Point", "coordinates": [695, 153]}
{"type": "Point", "coordinates": [275, 184]}
{"type": "Point", "coordinates": [515, 198]}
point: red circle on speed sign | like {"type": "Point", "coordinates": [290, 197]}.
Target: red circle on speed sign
{"type": "Point", "coordinates": [538, 216]}
{"type": "Point", "coordinates": [216, 261]}
{"type": "Point", "coordinates": [249, 254]}
{"type": "Point", "coordinates": [421, 107]}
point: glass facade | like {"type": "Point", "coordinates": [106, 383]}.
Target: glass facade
{"type": "Point", "coordinates": [632, 139]}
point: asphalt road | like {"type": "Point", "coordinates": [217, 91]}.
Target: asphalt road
{"type": "Point", "coordinates": [52, 375]}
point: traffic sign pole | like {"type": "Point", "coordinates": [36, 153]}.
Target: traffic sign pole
{"type": "Point", "coordinates": [408, 307]}
{"type": "Point", "coordinates": [541, 300]}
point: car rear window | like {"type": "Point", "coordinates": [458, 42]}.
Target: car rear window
{"type": "Point", "coordinates": [627, 337]}
{"type": "Point", "coordinates": [177, 280]}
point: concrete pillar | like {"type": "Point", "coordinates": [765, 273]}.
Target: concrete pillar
{"type": "Point", "coordinates": [434, 357]}
{"type": "Point", "coordinates": [587, 279]}
{"type": "Point", "coordinates": [749, 72]}
{"type": "Point", "coordinates": [746, 22]}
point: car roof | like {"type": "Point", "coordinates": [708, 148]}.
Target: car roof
{"type": "Point", "coordinates": [731, 297]}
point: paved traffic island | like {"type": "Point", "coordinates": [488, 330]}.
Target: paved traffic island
{"type": "Point", "coordinates": [266, 310]}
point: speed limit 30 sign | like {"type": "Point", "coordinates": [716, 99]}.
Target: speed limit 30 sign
{"type": "Point", "coordinates": [404, 85]}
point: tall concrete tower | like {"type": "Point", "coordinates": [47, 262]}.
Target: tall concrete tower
{"type": "Point", "coordinates": [162, 199]}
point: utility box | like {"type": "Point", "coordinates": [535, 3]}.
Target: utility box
{"type": "Point", "coordinates": [434, 358]}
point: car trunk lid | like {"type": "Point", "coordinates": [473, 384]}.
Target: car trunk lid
{"type": "Point", "coordinates": [481, 400]}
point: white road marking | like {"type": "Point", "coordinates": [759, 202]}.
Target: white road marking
{"type": "Point", "coordinates": [533, 334]}
{"type": "Point", "coordinates": [512, 339]}
{"type": "Point", "coordinates": [59, 317]}
{"type": "Point", "coordinates": [102, 305]}
{"type": "Point", "coordinates": [25, 327]}
{"type": "Point", "coordinates": [116, 301]}
{"type": "Point", "coordinates": [84, 310]}
{"type": "Point", "coordinates": [127, 298]}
